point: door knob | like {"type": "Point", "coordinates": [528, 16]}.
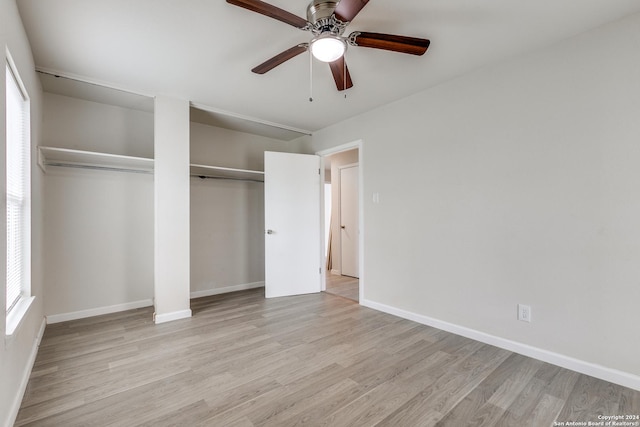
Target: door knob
{"type": "Point", "coordinates": [269, 231]}
{"type": "Point", "coordinates": [343, 227]}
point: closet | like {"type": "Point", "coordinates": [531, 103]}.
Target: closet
{"type": "Point", "coordinates": [99, 206]}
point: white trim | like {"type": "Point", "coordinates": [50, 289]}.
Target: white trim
{"type": "Point", "coordinates": [16, 316]}
{"type": "Point", "coordinates": [63, 317]}
{"type": "Point", "coordinates": [602, 372]}
{"type": "Point", "coordinates": [359, 145]}
{"type": "Point", "coordinates": [15, 406]}
{"type": "Point", "coordinates": [361, 294]}
{"type": "Point", "coordinates": [340, 148]}
{"type": "Point", "coordinates": [96, 82]}
{"type": "Point", "coordinates": [323, 223]}
{"type": "Point", "coordinates": [226, 289]}
{"type": "Point", "coordinates": [349, 165]}
{"type": "Point", "coordinates": [16, 76]}
{"type": "Point", "coordinates": [54, 156]}
{"type": "Point", "coordinates": [169, 317]}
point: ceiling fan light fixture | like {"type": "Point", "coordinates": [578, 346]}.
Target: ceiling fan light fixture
{"type": "Point", "coordinates": [328, 47]}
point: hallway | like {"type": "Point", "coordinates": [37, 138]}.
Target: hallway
{"type": "Point", "coordinates": [343, 286]}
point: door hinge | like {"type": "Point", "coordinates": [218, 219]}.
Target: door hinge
{"type": "Point", "coordinates": [318, 171]}
{"type": "Point", "coordinates": [320, 270]}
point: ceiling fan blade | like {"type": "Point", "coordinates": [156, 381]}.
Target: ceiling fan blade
{"type": "Point", "coordinates": [271, 11]}
{"type": "Point", "coordinates": [341, 74]}
{"type": "Point", "coordinates": [270, 64]}
{"type": "Point", "coordinates": [403, 44]}
{"type": "Point", "coordinates": [348, 9]}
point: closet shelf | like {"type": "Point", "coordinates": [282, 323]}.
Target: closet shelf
{"type": "Point", "coordinates": [205, 171]}
{"type": "Point", "coordinates": [53, 156]}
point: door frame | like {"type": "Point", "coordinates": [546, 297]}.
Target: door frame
{"type": "Point", "coordinates": [357, 144]}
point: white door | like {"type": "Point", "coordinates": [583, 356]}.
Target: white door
{"type": "Point", "coordinates": [292, 224]}
{"type": "Point", "coordinates": [349, 221]}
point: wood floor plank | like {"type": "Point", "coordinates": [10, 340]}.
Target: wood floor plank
{"type": "Point", "coordinates": [521, 409]}
{"type": "Point", "coordinates": [320, 359]}
{"type": "Point", "coordinates": [263, 407]}
{"type": "Point", "coordinates": [589, 398]}
{"type": "Point", "coordinates": [455, 381]}
{"type": "Point", "coordinates": [380, 401]}
{"type": "Point", "coordinates": [504, 396]}
{"type": "Point", "coordinates": [187, 415]}
{"type": "Point", "coordinates": [629, 402]}
{"type": "Point", "coordinates": [222, 401]}
{"type": "Point", "coordinates": [519, 383]}
{"type": "Point", "coordinates": [546, 411]}
{"type": "Point", "coordinates": [467, 408]}
{"type": "Point", "coordinates": [314, 409]}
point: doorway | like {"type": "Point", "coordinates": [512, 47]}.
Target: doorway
{"type": "Point", "coordinates": [342, 250]}
{"type": "Point", "coordinates": [349, 221]}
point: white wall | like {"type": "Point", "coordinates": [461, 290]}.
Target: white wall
{"type": "Point", "coordinates": [217, 146]}
{"type": "Point", "coordinates": [98, 224]}
{"type": "Point", "coordinates": [98, 241]}
{"type": "Point", "coordinates": [18, 353]}
{"type": "Point", "coordinates": [518, 183]}
{"type": "Point", "coordinates": [227, 217]}
{"type": "Point", "coordinates": [171, 213]}
{"type": "Point", "coordinates": [91, 126]}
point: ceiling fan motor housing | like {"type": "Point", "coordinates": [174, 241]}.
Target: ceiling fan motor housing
{"type": "Point", "coordinates": [320, 16]}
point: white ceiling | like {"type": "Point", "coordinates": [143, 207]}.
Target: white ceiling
{"type": "Point", "coordinates": [203, 50]}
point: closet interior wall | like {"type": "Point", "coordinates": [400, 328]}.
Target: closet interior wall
{"type": "Point", "coordinates": [227, 216]}
{"type": "Point", "coordinates": [98, 224]}
{"type": "Point", "coordinates": [98, 242]}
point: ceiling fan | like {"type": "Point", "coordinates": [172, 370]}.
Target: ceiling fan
{"type": "Point", "coordinates": [327, 21]}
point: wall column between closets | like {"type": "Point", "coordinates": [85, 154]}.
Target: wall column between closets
{"type": "Point", "coordinates": [171, 207]}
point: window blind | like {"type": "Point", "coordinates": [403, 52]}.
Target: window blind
{"type": "Point", "coordinates": [16, 158]}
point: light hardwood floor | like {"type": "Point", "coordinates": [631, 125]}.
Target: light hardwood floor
{"type": "Point", "coordinates": [318, 359]}
{"type": "Point", "coordinates": [343, 286]}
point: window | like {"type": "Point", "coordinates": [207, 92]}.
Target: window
{"type": "Point", "coordinates": [18, 145]}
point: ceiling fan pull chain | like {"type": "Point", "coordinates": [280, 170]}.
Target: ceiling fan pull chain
{"type": "Point", "coordinates": [310, 76]}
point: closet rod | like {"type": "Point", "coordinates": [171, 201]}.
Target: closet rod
{"type": "Point", "coordinates": [93, 167]}
{"type": "Point", "coordinates": [227, 178]}
{"type": "Point", "coordinates": [114, 169]}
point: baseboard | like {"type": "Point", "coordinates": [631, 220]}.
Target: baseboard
{"type": "Point", "coordinates": [63, 317]}
{"type": "Point", "coordinates": [598, 371]}
{"type": "Point", "coordinates": [226, 289]}
{"type": "Point", "coordinates": [57, 318]}
{"type": "Point", "coordinates": [174, 315]}
{"type": "Point", "coordinates": [15, 407]}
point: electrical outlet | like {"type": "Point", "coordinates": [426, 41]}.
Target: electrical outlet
{"type": "Point", "coordinates": [524, 313]}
